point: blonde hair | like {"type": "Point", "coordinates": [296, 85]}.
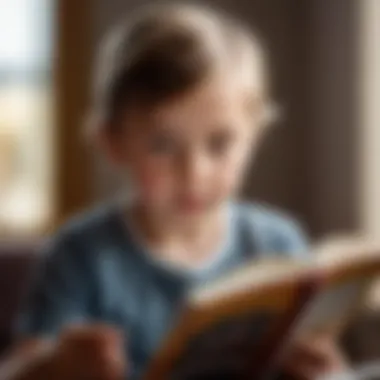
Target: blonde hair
{"type": "Point", "coordinates": [164, 50]}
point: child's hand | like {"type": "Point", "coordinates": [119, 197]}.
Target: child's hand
{"type": "Point", "coordinates": [89, 352]}
{"type": "Point", "coordinates": [314, 358]}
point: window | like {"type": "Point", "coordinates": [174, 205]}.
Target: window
{"type": "Point", "coordinates": [26, 121]}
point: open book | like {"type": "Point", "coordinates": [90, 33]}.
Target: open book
{"type": "Point", "coordinates": [242, 324]}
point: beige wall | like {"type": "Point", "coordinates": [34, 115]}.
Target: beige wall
{"type": "Point", "coordinates": [307, 163]}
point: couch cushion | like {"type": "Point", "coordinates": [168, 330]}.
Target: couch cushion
{"type": "Point", "coordinates": [16, 264]}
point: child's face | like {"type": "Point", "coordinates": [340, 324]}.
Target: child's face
{"type": "Point", "coordinates": [189, 155]}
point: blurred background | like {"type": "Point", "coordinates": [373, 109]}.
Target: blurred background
{"type": "Point", "coordinates": [321, 162]}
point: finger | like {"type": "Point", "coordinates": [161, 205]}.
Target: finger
{"type": "Point", "coordinates": [308, 360]}
{"type": "Point", "coordinates": [101, 345]}
{"type": "Point", "coordinates": [114, 356]}
{"type": "Point", "coordinates": [112, 366]}
{"type": "Point", "coordinates": [326, 351]}
{"type": "Point", "coordinates": [305, 353]}
{"type": "Point", "coordinates": [302, 371]}
{"type": "Point", "coordinates": [306, 368]}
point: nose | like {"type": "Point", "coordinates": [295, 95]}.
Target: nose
{"type": "Point", "coordinates": [194, 169]}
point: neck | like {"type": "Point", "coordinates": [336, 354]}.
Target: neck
{"type": "Point", "coordinates": [181, 227]}
{"type": "Point", "coordinates": [191, 236]}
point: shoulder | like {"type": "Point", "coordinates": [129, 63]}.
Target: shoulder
{"type": "Point", "coordinates": [273, 230]}
{"type": "Point", "coordinates": [89, 224]}
{"type": "Point", "coordinates": [82, 233]}
{"type": "Point", "coordinates": [65, 278]}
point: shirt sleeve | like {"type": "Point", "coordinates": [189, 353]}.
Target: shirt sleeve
{"type": "Point", "coordinates": [59, 293]}
{"type": "Point", "coordinates": [275, 233]}
{"type": "Point", "coordinates": [290, 238]}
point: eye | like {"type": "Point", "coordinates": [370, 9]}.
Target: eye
{"type": "Point", "coordinates": [220, 142]}
{"type": "Point", "coordinates": [162, 143]}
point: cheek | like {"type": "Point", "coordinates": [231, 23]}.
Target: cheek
{"type": "Point", "coordinates": [226, 182]}
{"type": "Point", "coordinates": [231, 172]}
{"type": "Point", "coordinates": [153, 185]}
{"type": "Point", "coordinates": [229, 182]}
{"type": "Point", "coordinates": [149, 175]}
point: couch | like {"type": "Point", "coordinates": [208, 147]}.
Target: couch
{"type": "Point", "coordinates": [17, 260]}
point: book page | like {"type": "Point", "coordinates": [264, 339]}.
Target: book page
{"type": "Point", "coordinates": [332, 307]}
{"type": "Point", "coordinates": [337, 248]}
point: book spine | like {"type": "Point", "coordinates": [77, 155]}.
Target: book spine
{"type": "Point", "coordinates": [267, 357]}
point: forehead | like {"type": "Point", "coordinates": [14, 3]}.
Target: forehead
{"type": "Point", "coordinates": [217, 100]}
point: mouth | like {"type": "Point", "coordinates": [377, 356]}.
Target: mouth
{"type": "Point", "coordinates": [191, 205]}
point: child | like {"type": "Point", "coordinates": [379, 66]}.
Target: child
{"type": "Point", "coordinates": [181, 104]}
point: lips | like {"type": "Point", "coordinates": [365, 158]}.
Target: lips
{"type": "Point", "coordinates": [191, 204]}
